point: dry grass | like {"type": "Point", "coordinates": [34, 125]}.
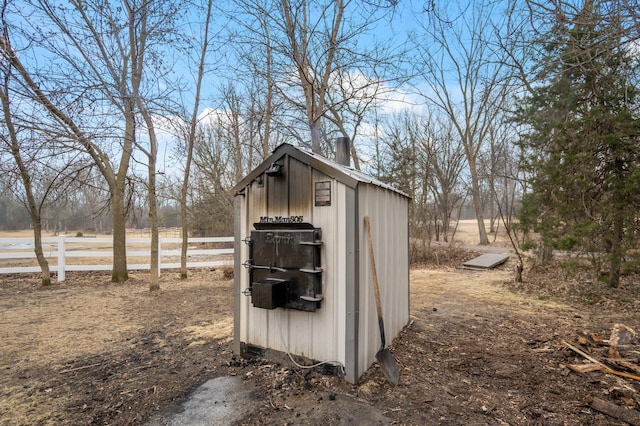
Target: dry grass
{"type": "Point", "coordinates": [91, 352]}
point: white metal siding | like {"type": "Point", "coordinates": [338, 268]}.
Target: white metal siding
{"type": "Point", "coordinates": [316, 335]}
{"type": "Point", "coordinates": [388, 214]}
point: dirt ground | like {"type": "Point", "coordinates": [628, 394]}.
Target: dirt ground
{"type": "Point", "coordinates": [478, 350]}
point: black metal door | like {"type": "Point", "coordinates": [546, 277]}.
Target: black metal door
{"type": "Point", "coordinates": [285, 267]}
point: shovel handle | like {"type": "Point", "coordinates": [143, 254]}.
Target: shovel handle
{"type": "Point", "coordinates": [374, 275]}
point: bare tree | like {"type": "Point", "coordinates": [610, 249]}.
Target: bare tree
{"type": "Point", "coordinates": [12, 141]}
{"type": "Point", "coordinates": [152, 197]}
{"type": "Point", "coordinates": [400, 161]}
{"type": "Point", "coordinates": [311, 46]}
{"type": "Point", "coordinates": [97, 80]}
{"type": "Point", "coordinates": [313, 74]}
{"type": "Point", "coordinates": [258, 69]}
{"type": "Point", "coordinates": [48, 171]}
{"type": "Point", "coordinates": [360, 94]}
{"type": "Point", "coordinates": [444, 155]}
{"type": "Point", "coordinates": [141, 24]}
{"type": "Point", "coordinates": [191, 139]}
{"type": "Point", "coordinates": [215, 175]}
{"type": "Point", "coordinates": [466, 78]}
{"type": "Point", "coordinates": [425, 159]}
{"type": "Point", "coordinates": [48, 96]}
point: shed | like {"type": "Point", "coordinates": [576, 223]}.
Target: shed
{"type": "Point", "coordinates": [303, 285]}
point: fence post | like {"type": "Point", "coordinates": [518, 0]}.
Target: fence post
{"type": "Point", "coordinates": [61, 259]}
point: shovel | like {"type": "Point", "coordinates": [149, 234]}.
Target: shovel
{"type": "Point", "coordinates": [385, 358]}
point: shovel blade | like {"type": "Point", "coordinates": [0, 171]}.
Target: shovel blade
{"type": "Point", "coordinates": [388, 365]}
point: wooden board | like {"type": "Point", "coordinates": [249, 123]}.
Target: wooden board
{"type": "Point", "coordinates": [486, 261]}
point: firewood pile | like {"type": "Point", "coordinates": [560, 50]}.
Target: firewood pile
{"type": "Point", "coordinates": [619, 356]}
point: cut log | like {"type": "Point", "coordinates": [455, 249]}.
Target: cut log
{"type": "Point", "coordinates": [584, 354]}
{"type": "Point", "coordinates": [620, 413]}
{"type": "Point", "coordinates": [605, 368]}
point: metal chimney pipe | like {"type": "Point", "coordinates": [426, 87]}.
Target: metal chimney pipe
{"type": "Point", "coordinates": [343, 147]}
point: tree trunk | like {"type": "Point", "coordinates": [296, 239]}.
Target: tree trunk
{"type": "Point", "coordinates": [519, 269]}
{"type": "Point", "coordinates": [616, 254]}
{"type": "Point", "coordinates": [154, 280]}
{"type": "Point", "coordinates": [154, 275]}
{"type": "Point", "coordinates": [492, 213]}
{"type": "Point", "coordinates": [152, 155]}
{"type": "Point", "coordinates": [119, 272]}
{"type": "Point", "coordinates": [45, 274]}
{"type": "Point", "coordinates": [477, 201]}
{"type": "Point", "coordinates": [34, 211]}
{"type": "Point", "coordinates": [191, 141]}
{"type": "Point", "coordinates": [184, 221]}
{"type": "Point", "coordinates": [545, 253]}
{"type": "Point", "coordinates": [316, 135]}
{"type": "Point", "coordinates": [117, 189]}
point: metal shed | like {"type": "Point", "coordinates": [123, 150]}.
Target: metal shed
{"type": "Point", "coordinates": [303, 283]}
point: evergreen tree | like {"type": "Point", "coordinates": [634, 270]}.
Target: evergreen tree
{"type": "Point", "coordinates": [582, 148]}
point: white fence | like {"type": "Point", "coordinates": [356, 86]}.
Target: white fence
{"type": "Point", "coordinates": [17, 252]}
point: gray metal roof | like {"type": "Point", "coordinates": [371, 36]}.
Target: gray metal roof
{"type": "Point", "coordinates": [343, 174]}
